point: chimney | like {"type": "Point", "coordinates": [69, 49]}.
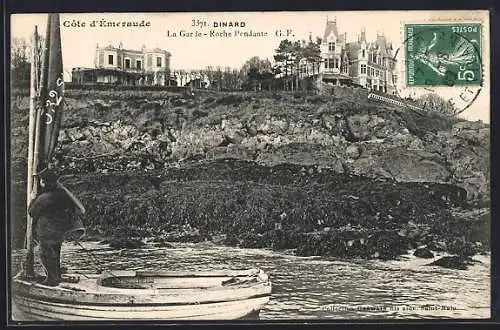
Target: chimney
{"type": "Point", "coordinates": [363, 34]}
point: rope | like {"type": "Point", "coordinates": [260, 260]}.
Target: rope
{"type": "Point", "coordinates": [94, 260]}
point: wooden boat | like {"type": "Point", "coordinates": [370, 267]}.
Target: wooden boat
{"type": "Point", "coordinates": [117, 295]}
{"type": "Point", "coordinates": [146, 295]}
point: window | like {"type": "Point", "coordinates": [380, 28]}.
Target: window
{"type": "Point", "coordinates": [138, 64]}
{"type": "Point", "coordinates": [110, 59]}
{"type": "Point", "coordinates": [363, 53]}
{"type": "Point", "coordinates": [377, 73]}
{"type": "Point", "coordinates": [363, 68]}
{"type": "Point", "coordinates": [331, 46]}
{"type": "Point", "coordinates": [158, 61]}
{"type": "Point", "coordinates": [127, 63]}
{"type": "Point", "coordinates": [331, 63]}
{"type": "Point", "coordinates": [326, 63]}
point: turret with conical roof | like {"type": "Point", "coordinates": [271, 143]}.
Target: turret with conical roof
{"type": "Point", "coordinates": [331, 28]}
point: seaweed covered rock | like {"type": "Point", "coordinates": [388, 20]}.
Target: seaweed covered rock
{"type": "Point", "coordinates": [453, 262]}
{"type": "Point", "coordinates": [423, 253]}
{"type": "Point", "coordinates": [382, 244]}
{"type": "Point", "coordinates": [125, 243]}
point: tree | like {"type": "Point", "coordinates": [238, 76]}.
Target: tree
{"type": "Point", "coordinates": [20, 64]}
{"type": "Point", "coordinates": [434, 102]}
{"type": "Point", "coordinates": [294, 61]}
{"type": "Point", "coordinates": [211, 75]}
{"type": "Point", "coordinates": [283, 60]}
{"type": "Point", "coordinates": [312, 54]}
{"type": "Point", "coordinates": [297, 56]}
{"type": "Point", "coordinates": [218, 76]}
{"type": "Point", "coordinates": [253, 71]}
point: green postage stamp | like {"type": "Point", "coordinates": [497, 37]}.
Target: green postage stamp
{"type": "Point", "coordinates": [443, 54]}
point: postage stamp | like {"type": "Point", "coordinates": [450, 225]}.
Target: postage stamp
{"type": "Point", "coordinates": [443, 54]}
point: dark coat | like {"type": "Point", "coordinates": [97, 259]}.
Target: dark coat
{"type": "Point", "coordinates": [55, 211]}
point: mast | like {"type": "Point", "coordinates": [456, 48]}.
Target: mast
{"type": "Point", "coordinates": [31, 183]}
{"type": "Point", "coordinates": [46, 107]}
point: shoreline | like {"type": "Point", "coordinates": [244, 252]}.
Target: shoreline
{"type": "Point", "coordinates": [327, 175]}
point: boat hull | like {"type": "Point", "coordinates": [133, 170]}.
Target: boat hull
{"type": "Point", "coordinates": [168, 297]}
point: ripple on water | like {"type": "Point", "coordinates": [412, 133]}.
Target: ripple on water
{"type": "Point", "coordinates": [314, 287]}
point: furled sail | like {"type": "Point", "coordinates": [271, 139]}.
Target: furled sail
{"type": "Point", "coordinates": [46, 110]}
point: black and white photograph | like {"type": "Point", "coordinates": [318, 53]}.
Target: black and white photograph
{"type": "Point", "coordinates": [293, 165]}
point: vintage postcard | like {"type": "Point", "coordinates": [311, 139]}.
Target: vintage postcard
{"type": "Point", "coordinates": [322, 165]}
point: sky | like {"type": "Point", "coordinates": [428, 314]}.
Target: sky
{"type": "Point", "coordinates": [79, 38]}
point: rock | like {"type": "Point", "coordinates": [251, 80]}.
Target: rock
{"type": "Point", "coordinates": [388, 244]}
{"type": "Point", "coordinates": [231, 240]}
{"type": "Point", "coordinates": [415, 166]}
{"type": "Point", "coordinates": [452, 262]}
{"type": "Point", "coordinates": [186, 237]}
{"type": "Point", "coordinates": [251, 131]}
{"type": "Point", "coordinates": [423, 253]}
{"type": "Point", "coordinates": [163, 245]}
{"type": "Point", "coordinates": [125, 243]}
{"type": "Point", "coordinates": [436, 246]}
{"type": "Point", "coordinates": [75, 134]}
{"type": "Point", "coordinates": [358, 127]}
{"type": "Point", "coordinates": [416, 144]}
{"type": "Point", "coordinates": [353, 151]}
{"type": "Point", "coordinates": [467, 125]}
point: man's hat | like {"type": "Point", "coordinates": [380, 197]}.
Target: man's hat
{"type": "Point", "coordinates": [48, 175]}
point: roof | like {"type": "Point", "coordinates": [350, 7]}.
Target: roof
{"type": "Point", "coordinates": [156, 50]}
{"type": "Point", "coordinates": [363, 35]}
{"type": "Point", "coordinates": [331, 27]}
{"type": "Point", "coordinates": [381, 43]}
{"type": "Point", "coordinates": [159, 50]}
{"type": "Point", "coordinates": [352, 49]}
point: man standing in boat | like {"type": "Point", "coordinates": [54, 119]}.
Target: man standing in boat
{"type": "Point", "coordinates": [54, 214]}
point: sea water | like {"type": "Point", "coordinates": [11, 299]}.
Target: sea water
{"type": "Point", "coordinates": [315, 287]}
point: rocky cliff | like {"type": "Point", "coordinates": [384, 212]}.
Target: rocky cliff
{"type": "Point", "coordinates": [105, 131]}
{"type": "Point", "coordinates": [149, 133]}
